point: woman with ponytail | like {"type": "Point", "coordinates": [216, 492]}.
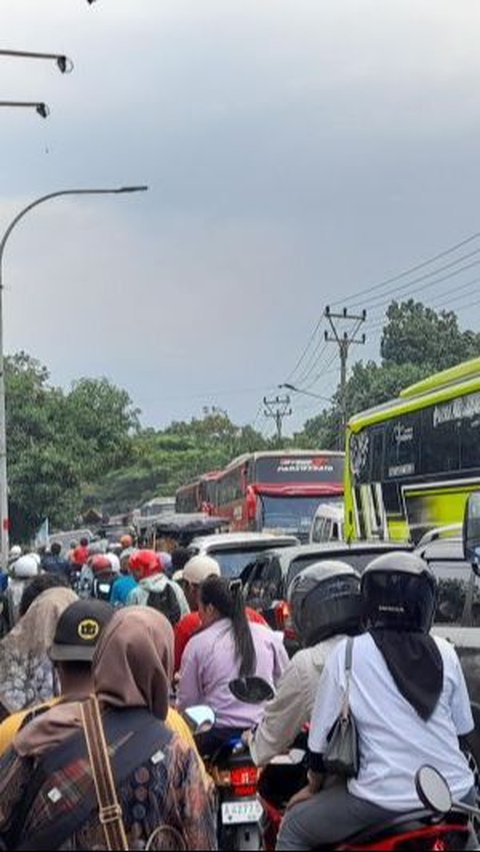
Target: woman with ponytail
{"type": "Point", "coordinates": [227, 647]}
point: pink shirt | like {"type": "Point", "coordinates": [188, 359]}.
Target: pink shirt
{"type": "Point", "coordinates": [209, 663]}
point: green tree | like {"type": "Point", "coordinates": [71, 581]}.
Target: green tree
{"type": "Point", "coordinates": [99, 421]}
{"type": "Point", "coordinates": [164, 460]}
{"type": "Point", "coordinates": [416, 341]}
{"type": "Point", "coordinates": [56, 441]}
{"type": "Point", "coordinates": [416, 334]}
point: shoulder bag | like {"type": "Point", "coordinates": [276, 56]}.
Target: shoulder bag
{"type": "Point", "coordinates": [341, 752]}
{"type": "Point", "coordinates": [109, 810]}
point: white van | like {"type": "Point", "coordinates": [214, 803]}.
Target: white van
{"type": "Point", "coordinates": [327, 524]}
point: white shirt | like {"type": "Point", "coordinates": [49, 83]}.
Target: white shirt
{"type": "Point", "coordinates": [394, 741]}
{"type": "Point", "coordinates": [290, 710]}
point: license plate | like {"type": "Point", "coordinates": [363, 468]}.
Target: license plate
{"type": "Point", "coordinates": [238, 812]}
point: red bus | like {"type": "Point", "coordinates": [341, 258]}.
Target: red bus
{"type": "Point", "coordinates": [279, 490]}
{"type": "Point", "coordinates": [198, 495]}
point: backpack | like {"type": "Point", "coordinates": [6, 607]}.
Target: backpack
{"type": "Point", "coordinates": [166, 602]}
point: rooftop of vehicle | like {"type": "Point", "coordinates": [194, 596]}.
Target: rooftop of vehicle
{"type": "Point", "coordinates": [434, 390]}
{"type": "Point", "coordinates": [225, 541]}
{"type": "Point", "coordinates": [333, 549]}
{"type": "Point", "coordinates": [284, 454]}
{"type": "Point", "coordinates": [450, 549]}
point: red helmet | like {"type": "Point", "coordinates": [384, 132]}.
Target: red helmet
{"type": "Point", "coordinates": [100, 562]}
{"type": "Point", "coordinates": [145, 563]}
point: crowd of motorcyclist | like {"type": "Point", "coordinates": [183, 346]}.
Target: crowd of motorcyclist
{"type": "Point", "coordinates": [163, 632]}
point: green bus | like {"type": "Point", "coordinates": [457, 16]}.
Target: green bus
{"type": "Point", "coordinates": [412, 462]}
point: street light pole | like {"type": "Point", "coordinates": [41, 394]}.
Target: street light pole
{"type": "Point", "coordinates": [4, 522]}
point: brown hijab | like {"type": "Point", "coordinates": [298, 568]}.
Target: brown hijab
{"type": "Point", "coordinates": [133, 662]}
{"type": "Point", "coordinates": [133, 667]}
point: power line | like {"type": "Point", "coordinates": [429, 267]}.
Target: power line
{"type": "Point", "coordinates": [319, 351]}
{"type": "Point", "coordinates": [405, 287]}
{"type": "Point", "coordinates": [325, 372]}
{"type": "Point", "coordinates": [436, 305]}
{"type": "Point", "coordinates": [405, 272]}
{"type": "Point", "coordinates": [305, 350]}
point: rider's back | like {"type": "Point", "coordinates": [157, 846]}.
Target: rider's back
{"type": "Point", "coordinates": [394, 741]}
{"type": "Point", "coordinates": [210, 662]}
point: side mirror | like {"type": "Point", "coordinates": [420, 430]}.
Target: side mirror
{"type": "Point", "coordinates": [251, 690]}
{"type": "Point", "coordinates": [432, 790]}
{"type": "Point", "coordinates": [200, 718]}
{"type": "Point", "coordinates": [471, 531]}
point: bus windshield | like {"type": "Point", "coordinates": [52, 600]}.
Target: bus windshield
{"type": "Point", "coordinates": [288, 513]}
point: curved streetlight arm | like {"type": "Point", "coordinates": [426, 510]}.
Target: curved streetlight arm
{"type": "Point", "coordinates": [305, 392]}
{"type": "Point", "coordinates": [51, 195]}
{"type": "Point", "coordinates": [64, 64]}
{"type": "Point", "coordinates": [4, 523]}
{"type": "Point", "coordinates": [39, 106]}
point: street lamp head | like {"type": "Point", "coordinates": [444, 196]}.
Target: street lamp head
{"type": "Point", "coordinates": [131, 188]}
{"type": "Point", "coordinates": [42, 110]}
{"type": "Point", "coordinates": [64, 64]}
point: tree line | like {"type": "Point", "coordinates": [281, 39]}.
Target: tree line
{"type": "Point", "coordinates": [69, 450]}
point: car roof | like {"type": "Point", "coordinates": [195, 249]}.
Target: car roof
{"type": "Point", "coordinates": [227, 540]}
{"type": "Point", "coordinates": [334, 549]}
{"type": "Point", "coordinates": [450, 549]}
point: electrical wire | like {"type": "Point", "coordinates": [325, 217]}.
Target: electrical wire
{"type": "Point", "coordinates": [358, 296]}
{"type": "Point", "coordinates": [436, 305]}
{"type": "Point", "coordinates": [319, 351]}
{"type": "Point", "coordinates": [305, 350]}
{"type": "Point", "coordinates": [412, 284]}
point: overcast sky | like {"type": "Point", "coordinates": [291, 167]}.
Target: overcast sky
{"type": "Point", "coordinates": [296, 152]}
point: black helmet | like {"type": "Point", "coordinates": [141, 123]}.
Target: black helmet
{"type": "Point", "coordinates": [325, 600]}
{"type": "Point", "coordinates": [399, 592]}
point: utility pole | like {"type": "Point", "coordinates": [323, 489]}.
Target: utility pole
{"type": "Point", "coordinates": [277, 408]}
{"type": "Point", "coordinates": [344, 341]}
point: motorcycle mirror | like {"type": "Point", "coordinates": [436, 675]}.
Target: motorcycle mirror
{"type": "Point", "coordinates": [433, 790]}
{"type": "Point", "coordinates": [251, 690]}
{"type": "Point", "coordinates": [200, 718]}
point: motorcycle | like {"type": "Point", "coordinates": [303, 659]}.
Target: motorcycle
{"type": "Point", "coordinates": [235, 777]}
{"type": "Point", "coordinates": [443, 825]}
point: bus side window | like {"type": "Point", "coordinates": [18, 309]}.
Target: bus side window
{"type": "Point", "coordinates": [334, 534]}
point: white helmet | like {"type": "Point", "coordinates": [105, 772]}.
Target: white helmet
{"type": "Point", "coordinates": [25, 567]}
{"type": "Point", "coordinates": [15, 551]}
{"type": "Point", "coordinates": [114, 562]}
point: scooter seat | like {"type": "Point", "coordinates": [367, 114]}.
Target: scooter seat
{"type": "Point", "coordinates": [403, 824]}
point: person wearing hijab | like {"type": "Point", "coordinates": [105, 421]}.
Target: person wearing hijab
{"type": "Point", "coordinates": [159, 782]}
{"type": "Point", "coordinates": [408, 697]}
{"type": "Point", "coordinates": [22, 571]}
{"type": "Point", "coordinates": [27, 675]}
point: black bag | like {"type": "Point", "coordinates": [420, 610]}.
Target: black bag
{"type": "Point", "coordinates": [166, 602]}
{"type": "Point", "coordinates": [341, 752]}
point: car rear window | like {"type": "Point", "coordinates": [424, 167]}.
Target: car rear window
{"type": "Point", "coordinates": [232, 561]}
{"type": "Point", "coordinates": [359, 561]}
